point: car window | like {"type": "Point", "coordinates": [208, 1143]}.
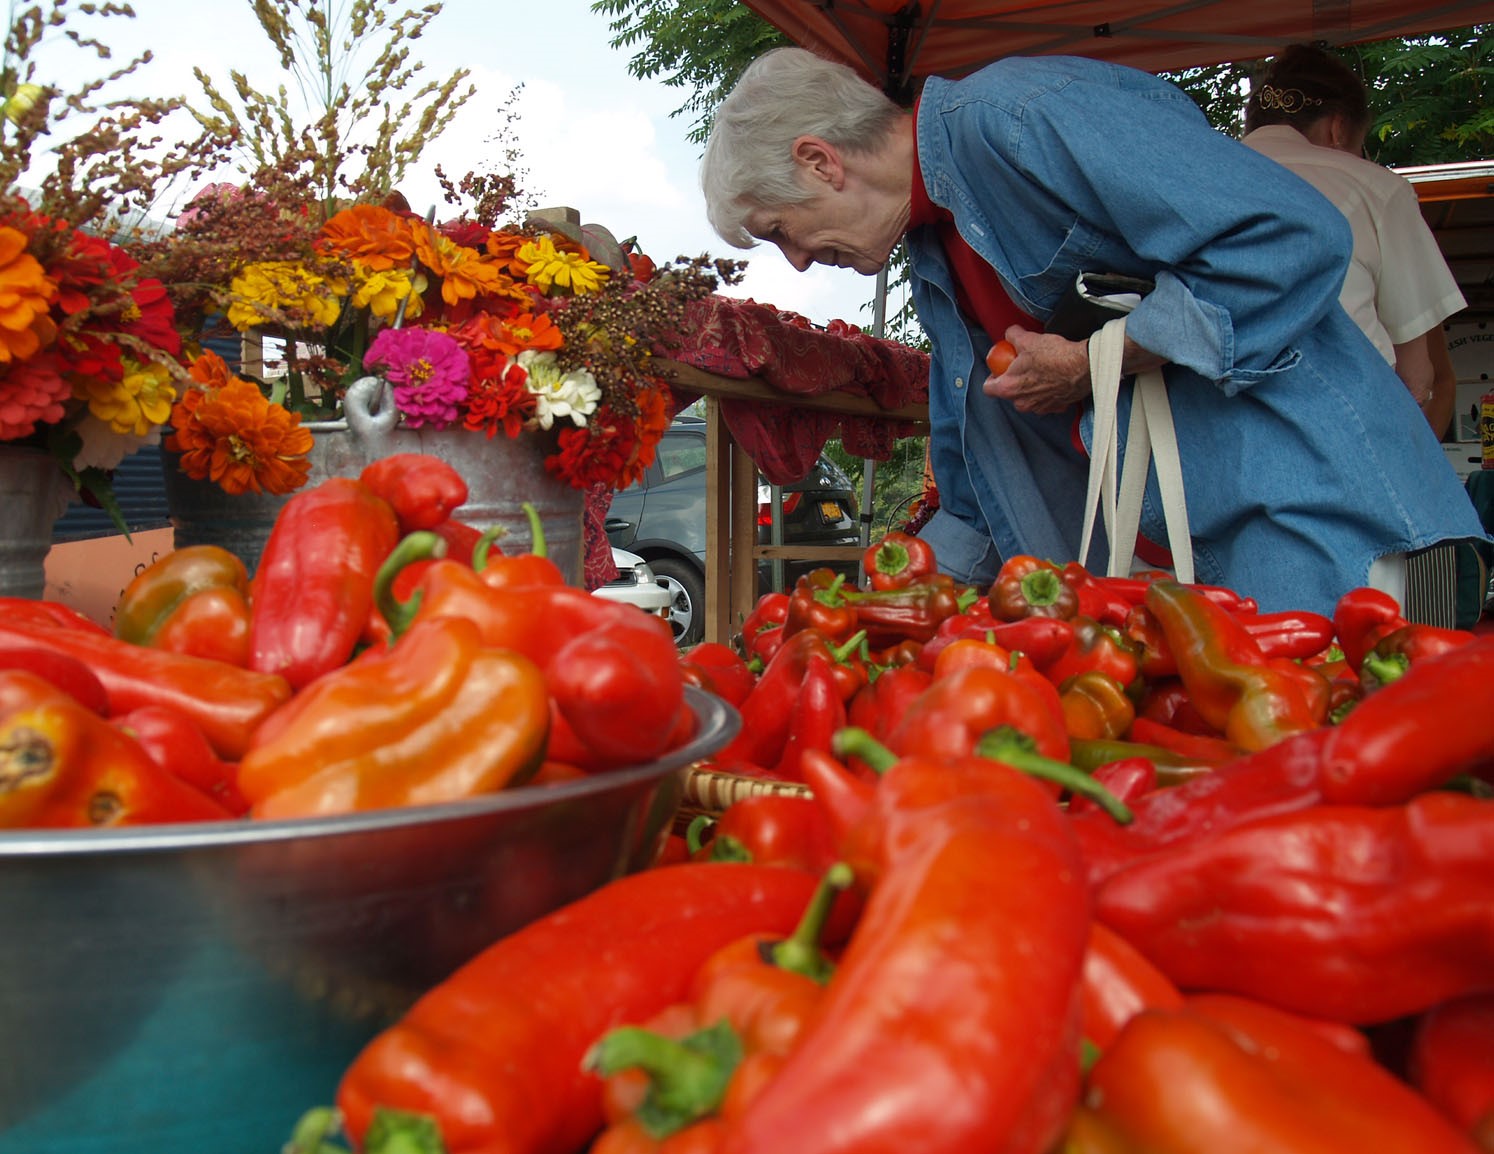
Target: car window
{"type": "Point", "coordinates": [678, 455]}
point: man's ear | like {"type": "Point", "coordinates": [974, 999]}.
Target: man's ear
{"type": "Point", "coordinates": [819, 158]}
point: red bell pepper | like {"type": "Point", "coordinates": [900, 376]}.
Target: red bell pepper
{"type": "Point", "coordinates": [1095, 647]}
{"type": "Point", "coordinates": [1295, 634]}
{"type": "Point", "coordinates": [762, 632]}
{"type": "Point", "coordinates": [1394, 653]}
{"type": "Point", "coordinates": [1452, 1062]}
{"type": "Point", "coordinates": [1360, 618]}
{"type": "Point", "coordinates": [818, 711]}
{"type": "Point", "coordinates": [1350, 913]}
{"type": "Point", "coordinates": [772, 829]}
{"type": "Point", "coordinates": [1165, 701]}
{"type": "Point", "coordinates": [1262, 1025]}
{"type": "Point", "coordinates": [313, 589]}
{"type": "Point", "coordinates": [67, 767]}
{"type": "Point", "coordinates": [818, 601]}
{"type": "Point", "coordinates": [499, 1067]}
{"type": "Point", "coordinates": [897, 560]}
{"type": "Point", "coordinates": [1041, 639]}
{"type": "Point", "coordinates": [422, 490]}
{"type": "Point", "coordinates": [880, 704]}
{"type": "Point", "coordinates": [507, 570]}
{"type": "Point", "coordinates": [1097, 598]}
{"type": "Point", "coordinates": [768, 709]}
{"type": "Point", "coordinates": [1031, 587]}
{"type": "Point", "coordinates": [1126, 780]}
{"type": "Point", "coordinates": [1198, 747]}
{"type": "Point", "coordinates": [955, 711]}
{"type": "Point", "coordinates": [718, 669]}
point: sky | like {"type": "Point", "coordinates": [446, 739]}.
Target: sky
{"type": "Point", "coordinates": [590, 135]}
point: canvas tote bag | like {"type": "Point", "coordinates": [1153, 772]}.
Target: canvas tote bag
{"type": "Point", "coordinates": [1117, 490]}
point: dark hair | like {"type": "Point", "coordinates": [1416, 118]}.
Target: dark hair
{"type": "Point", "coordinates": [1302, 84]}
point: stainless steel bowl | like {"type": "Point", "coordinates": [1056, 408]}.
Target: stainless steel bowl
{"type": "Point", "coordinates": [176, 989]}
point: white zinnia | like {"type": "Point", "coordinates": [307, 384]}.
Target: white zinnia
{"type": "Point", "coordinates": [574, 394]}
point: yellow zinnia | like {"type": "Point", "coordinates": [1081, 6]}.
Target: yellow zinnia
{"type": "Point", "coordinates": [284, 292]}
{"type": "Point", "coordinates": [550, 268]}
{"type": "Point", "coordinates": [381, 290]}
{"type": "Point", "coordinates": [137, 403]}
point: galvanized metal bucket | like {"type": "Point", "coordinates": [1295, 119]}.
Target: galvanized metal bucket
{"type": "Point", "coordinates": [502, 473]}
{"type": "Point", "coordinates": [33, 494]}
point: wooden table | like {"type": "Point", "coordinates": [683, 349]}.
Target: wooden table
{"type": "Point", "coordinates": [732, 548]}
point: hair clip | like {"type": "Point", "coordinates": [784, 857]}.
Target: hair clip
{"type": "Point", "coordinates": [1288, 100]}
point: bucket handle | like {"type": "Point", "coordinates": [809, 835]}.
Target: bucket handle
{"type": "Point", "coordinates": [369, 408]}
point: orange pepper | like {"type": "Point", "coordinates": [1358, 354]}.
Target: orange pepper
{"type": "Point", "coordinates": [192, 600]}
{"type": "Point", "coordinates": [437, 717]}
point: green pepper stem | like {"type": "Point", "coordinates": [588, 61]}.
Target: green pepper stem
{"type": "Point", "coordinates": [1000, 746]}
{"type": "Point", "coordinates": [484, 545]}
{"type": "Point", "coordinates": [1383, 670]}
{"type": "Point", "coordinates": [1041, 588]}
{"type": "Point", "coordinates": [687, 1077]}
{"type": "Point", "coordinates": [853, 741]}
{"type": "Point", "coordinates": [800, 952]}
{"type": "Point", "coordinates": [698, 825]}
{"type": "Point", "coordinates": [536, 531]}
{"type": "Point", "coordinates": [416, 546]}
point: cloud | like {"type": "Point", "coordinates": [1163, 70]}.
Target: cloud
{"type": "Point", "coordinates": [591, 135]}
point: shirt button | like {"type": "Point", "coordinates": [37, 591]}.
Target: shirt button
{"type": "Point", "coordinates": [959, 382]}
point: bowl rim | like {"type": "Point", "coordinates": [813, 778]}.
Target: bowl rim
{"type": "Point", "coordinates": [717, 723]}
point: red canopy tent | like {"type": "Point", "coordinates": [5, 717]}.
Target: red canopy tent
{"type": "Point", "coordinates": [894, 42]}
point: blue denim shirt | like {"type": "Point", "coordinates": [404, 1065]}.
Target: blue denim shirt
{"type": "Point", "coordinates": [1304, 457]}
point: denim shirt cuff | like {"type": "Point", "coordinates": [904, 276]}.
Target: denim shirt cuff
{"type": "Point", "coordinates": [966, 554]}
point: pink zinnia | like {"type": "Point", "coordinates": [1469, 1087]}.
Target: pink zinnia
{"type": "Point", "coordinates": [31, 393]}
{"type": "Point", "coordinates": [430, 373]}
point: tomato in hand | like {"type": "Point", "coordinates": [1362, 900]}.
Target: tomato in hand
{"type": "Point", "coordinates": [999, 359]}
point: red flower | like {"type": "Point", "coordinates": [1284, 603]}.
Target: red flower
{"type": "Point", "coordinates": [499, 401]}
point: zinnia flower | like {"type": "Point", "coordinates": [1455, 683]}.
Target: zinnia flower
{"type": "Point", "coordinates": [133, 404]}
{"type": "Point", "coordinates": [236, 438]}
{"type": "Point", "coordinates": [26, 296]}
{"type": "Point", "coordinates": [463, 272]}
{"type": "Point", "coordinates": [370, 234]}
{"type": "Point", "coordinates": [558, 393]}
{"type": "Point", "coordinates": [281, 291]}
{"type": "Point", "coordinates": [550, 268]}
{"type": "Point", "coordinates": [32, 393]}
{"type": "Point", "coordinates": [429, 370]}
{"type": "Point", "coordinates": [502, 401]}
{"type": "Point", "coordinates": [380, 291]}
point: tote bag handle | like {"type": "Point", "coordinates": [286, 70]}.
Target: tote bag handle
{"type": "Point", "coordinates": [1150, 436]}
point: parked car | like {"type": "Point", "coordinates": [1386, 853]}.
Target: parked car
{"type": "Point", "coordinates": [662, 518]}
{"type": "Point", "coordinates": [636, 584]}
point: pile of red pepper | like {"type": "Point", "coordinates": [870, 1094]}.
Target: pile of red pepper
{"type": "Point", "coordinates": [384, 654]}
{"type": "Point", "coordinates": [1135, 868]}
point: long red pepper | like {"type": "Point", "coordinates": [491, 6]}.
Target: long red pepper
{"type": "Point", "coordinates": [494, 1052]}
{"type": "Point", "coordinates": [313, 589]}
{"type": "Point", "coordinates": [952, 1021]}
{"type": "Point", "coordinates": [227, 703]}
{"type": "Point", "coordinates": [1351, 913]}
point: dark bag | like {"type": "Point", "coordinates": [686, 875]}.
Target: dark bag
{"type": "Point", "coordinates": [1093, 299]}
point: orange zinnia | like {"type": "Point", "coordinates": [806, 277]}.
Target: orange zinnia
{"type": "Point", "coordinates": [463, 272]}
{"type": "Point", "coordinates": [26, 295]}
{"type": "Point", "coordinates": [236, 438]}
{"type": "Point", "coordinates": [370, 234]}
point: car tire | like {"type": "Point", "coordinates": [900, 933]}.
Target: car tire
{"type": "Point", "coordinates": [686, 587]}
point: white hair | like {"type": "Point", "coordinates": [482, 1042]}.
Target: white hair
{"type": "Point", "coordinates": [783, 95]}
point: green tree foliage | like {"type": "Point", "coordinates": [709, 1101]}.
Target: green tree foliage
{"type": "Point", "coordinates": [699, 47]}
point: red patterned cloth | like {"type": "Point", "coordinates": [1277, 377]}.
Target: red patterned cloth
{"type": "Point", "coordinates": [741, 339]}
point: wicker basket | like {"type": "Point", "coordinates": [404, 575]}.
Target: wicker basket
{"type": "Point", "coordinates": [709, 792]}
